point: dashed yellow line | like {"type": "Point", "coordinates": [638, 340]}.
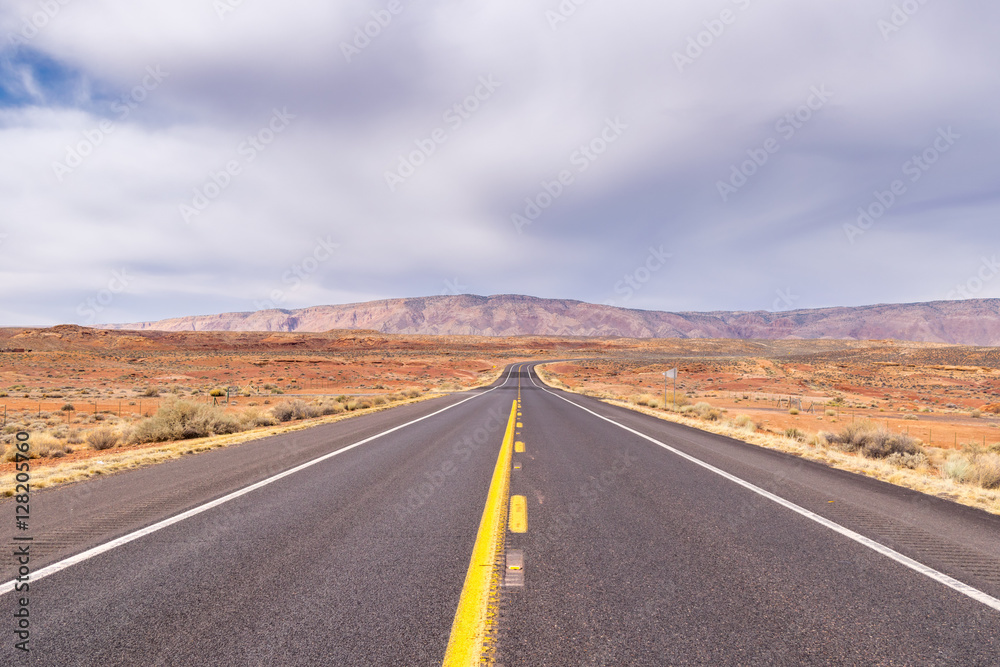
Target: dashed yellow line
{"type": "Point", "coordinates": [477, 606]}
{"type": "Point", "coordinates": [519, 447]}
{"type": "Point", "coordinates": [518, 514]}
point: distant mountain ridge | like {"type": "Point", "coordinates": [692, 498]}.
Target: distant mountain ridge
{"type": "Point", "coordinates": [969, 322]}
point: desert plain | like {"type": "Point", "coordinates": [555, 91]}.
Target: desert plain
{"type": "Point", "coordinates": [63, 383]}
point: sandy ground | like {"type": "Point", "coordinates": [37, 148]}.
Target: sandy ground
{"type": "Point", "coordinates": [120, 376]}
{"type": "Point", "coordinates": [930, 391]}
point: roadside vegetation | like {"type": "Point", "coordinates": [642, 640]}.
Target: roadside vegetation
{"type": "Point", "coordinates": [969, 473]}
{"type": "Point", "coordinates": [179, 419]}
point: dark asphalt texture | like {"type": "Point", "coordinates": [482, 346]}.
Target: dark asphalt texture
{"type": "Point", "coordinates": [633, 556]}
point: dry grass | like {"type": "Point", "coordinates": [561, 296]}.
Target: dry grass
{"type": "Point", "coordinates": [44, 445]}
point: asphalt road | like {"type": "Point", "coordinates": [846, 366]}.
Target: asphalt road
{"type": "Point", "coordinates": [633, 555]}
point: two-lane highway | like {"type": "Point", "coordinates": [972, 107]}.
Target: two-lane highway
{"type": "Point", "coordinates": [630, 541]}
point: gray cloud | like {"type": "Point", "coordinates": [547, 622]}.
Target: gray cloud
{"type": "Point", "coordinates": [693, 114]}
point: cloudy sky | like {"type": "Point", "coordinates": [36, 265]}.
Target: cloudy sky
{"type": "Point", "coordinates": [162, 159]}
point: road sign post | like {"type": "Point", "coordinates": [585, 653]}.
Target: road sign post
{"type": "Point", "coordinates": [672, 373]}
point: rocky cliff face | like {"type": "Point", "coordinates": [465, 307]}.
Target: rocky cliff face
{"type": "Point", "coordinates": [971, 322]}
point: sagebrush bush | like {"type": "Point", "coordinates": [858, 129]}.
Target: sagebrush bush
{"type": "Point", "coordinates": [958, 468]}
{"type": "Point", "coordinates": [102, 438]}
{"type": "Point", "coordinates": [255, 417]}
{"type": "Point", "coordinates": [911, 461]}
{"type": "Point", "coordinates": [986, 471]}
{"type": "Point", "coordinates": [293, 410]}
{"type": "Point", "coordinates": [744, 423]}
{"type": "Point", "coordinates": [701, 410]}
{"type": "Point", "coordinates": [331, 408]}
{"type": "Point", "coordinates": [180, 420]}
{"type": "Point", "coordinates": [647, 400]}
{"type": "Point", "coordinates": [873, 441]}
{"type": "Point", "coordinates": [795, 434]}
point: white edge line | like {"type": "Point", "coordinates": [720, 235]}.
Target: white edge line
{"type": "Point", "coordinates": [142, 532]}
{"type": "Point", "coordinates": [917, 566]}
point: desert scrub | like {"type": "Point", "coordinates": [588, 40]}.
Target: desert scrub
{"type": "Point", "coordinates": [647, 400]}
{"type": "Point", "coordinates": [744, 423]}
{"type": "Point", "coordinates": [255, 417]}
{"type": "Point", "coordinates": [103, 438]}
{"type": "Point", "coordinates": [909, 461]}
{"type": "Point", "coordinates": [872, 441]}
{"type": "Point", "coordinates": [294, 410]}
{"type": "Point", "coordinates": [974, 467]}
{"type": "Point", "coordinates": [180, 420]}
{"type": "Point", "coordinates": [795, 434]}
{"type": "Point", "coordinates": [331, 408]}
{"type": "Point", "coordinates": [702, 410]}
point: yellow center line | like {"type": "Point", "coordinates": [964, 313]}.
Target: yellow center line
{"type": "Point", "coordinates": [518, 514]}
{"type": "Point", "coordinates": [471, 640]}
